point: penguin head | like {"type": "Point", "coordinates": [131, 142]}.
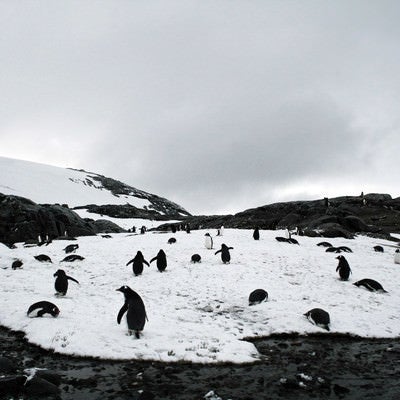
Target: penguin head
{"type": "Point", "coordinates": [123, 289]}
{"type": "Point", "coordinates": [207, 234]}
{"type": "Point", "coordinates": [356, 283]}
{"type": "Point", "coordinates": [55, 311]}
{"type": "Point", "coordinates": [339, 257]}
{"type": "Point", "coordinates": [161, 252]}
{"type": "Point", "coordinates": [59, 272]}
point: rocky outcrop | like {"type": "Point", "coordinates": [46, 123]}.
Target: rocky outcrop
{"type": "Point", "coordinates": [373, 214]}
{"type": "Point", "coordinates": [158, 207]}
{"type": "Point", "coordinates": [23, 220]}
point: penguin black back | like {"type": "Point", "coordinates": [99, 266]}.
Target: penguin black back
{"type": "Point", "coordinates": [137, 263]}
{"type": "Point", "coordinates": [319, 317]}
{"type": "Point", "coordinates": [371, 285]}
{"type": "Point", "coordinates": [43, 258]}
{"type": "Point", "coordinates": [161, 260]}
{"type": "Point", "coordinates": [61, 282]}
{"type": "Point", "coordinates": [343, 268]}
{"type": "Point", "coordinates": [43, 307]}
{"type": "Point", "coordinates": [225, 255]}
{"type": "Point", "coordinates": [256, 234]}
{"type": "Point", "coordinates": [257, 296]}
{"type": "Point", "coordinates": [196, 258]}
{"type": "Point", "coordinates": [136, 312]}
{"type": "Point", "coordinates": [71, 248]}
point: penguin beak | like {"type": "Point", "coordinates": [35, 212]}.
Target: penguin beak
{"type": "Point", "coordinates": [118, 290]}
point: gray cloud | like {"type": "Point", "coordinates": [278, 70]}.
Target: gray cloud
{"type": "Point", "coordinates": [219, 106]}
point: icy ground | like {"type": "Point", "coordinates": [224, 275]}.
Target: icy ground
{"type": "Point", "coordinates": [197, 312]}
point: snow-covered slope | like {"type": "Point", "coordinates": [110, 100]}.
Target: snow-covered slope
{"type": "Point", "coordinates": [48, 184]}
{"type": "Point", "coordinates": [198, 312]}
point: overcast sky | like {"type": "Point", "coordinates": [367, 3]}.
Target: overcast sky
{"type": "Point", "coordinates": [219, 106]}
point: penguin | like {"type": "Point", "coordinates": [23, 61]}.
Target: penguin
{"type": "Point", "coordinates": [136, 312]}
{"type": "Point", "coordinates": [73, 257]}
{"type": "Point", "coordinates": [71, 248]}
{"type": "Point", "coordinates": [371, 285]}
{"type": "Point", "coordinates": [280, 239]}
{"type": "Point", "coordinates": [333, 250]}
{"type": "Point", "coordinates": [171, 240]}
{"type": "Point", "coordinates": [345, 249]}
{"type": "Point", "coordinates": [43, 307]}
{"type": "Point", "coordinates": [256, 234]}
{"type": "Point", "coordinates": [221, 231]}
{"type": "Point", "coordinates": [378, 249]}
{"type": "Point", "coordinates": [187, 228]}
{"type": "Point", "coordinates": [43, 258]}
{"type": "Point", "coordinates": [17, 264]}
{"type": "Point", "coordinates": [173, 228]}
{"type": "Point", "coordinates": [324, 244]}
{"type": "Point", "coordinates": [397, 256]}
{"type": "Point", "coordinates": [106, 236]}
{"type": "Point", "coordinates": [343, 268]}
{"type": "Point", "coordinates": [137, 263]}
{"type": "Point", "coordinates": [196, 258]}
{"type": "Point", "coordinates": [225, 255]}
{"type": "Point", "coordinates": [61, 282]}
{"type": "Point", "coordinates": [257, 296]}
{"type": "Point", "coordinates": [208, 241]}
{"type": "Point", "coordinates": [161, 260]}
{"type": "Point", "coordinates": [319, 317]}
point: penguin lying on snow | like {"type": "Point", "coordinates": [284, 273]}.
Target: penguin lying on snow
{"type": "Point", "coordinates": [72, 257]}
{"type": "Point", "coordinates": [71, 248]}
{"type": "Point", "coordinates": [343, 268]}
{"type": "Point", "coordinates": [43, 258]}
{"type": "Point", "coordinates": [42, 307]}
{"type": "Point", "coordinates": [17, 264]}
{"type": "Point", "coordinates": [171, 240]}
{"type": "Point", "coordinates": [286, 240]}
{"type": "Point", "coordinates": [137, 263]}
{"type": "Point", "coordinates": [161, 260]}
{"type": "Point", "coordinates": [378, 249]}
{"type": "Point", "coordinates": [324, 244]}
{"type": "Point", "coordinates": [196, 258]}
{"type": "Point", "coordinates": [319, 317]}
{"type": "Point", "coordinates": [371, 285]}
{"type": "Point", "coordinates": [135, 311]}
{"type": "Point", "coordinates": [225, 255]}
{"type": "Point", "coordinates": [61, 283]}
{"type": "Point", "coordinates": [257, 296]}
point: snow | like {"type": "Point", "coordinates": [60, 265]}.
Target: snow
{"type": "Point", "coordinates": [45, 184]}
{"type": "Point", "coordinates": [126, 223]}
{"type": "Point", "coordinates": [198, 312]}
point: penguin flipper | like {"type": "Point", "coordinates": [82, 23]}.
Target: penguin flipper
{"type": "Point", "coordinates": [131, 261]}
{"type": "Point", "coordinates": [218, 251]}
{"type": "Point", "coordinates": [145, 262]}
{"type": "Point", "coordinates": [121, 313]}
{"type": "Point", "coordinates": [72, 279]}
{"type": "Point", "coordinates": [153, 259]}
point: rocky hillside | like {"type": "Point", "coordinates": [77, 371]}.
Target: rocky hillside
{"type": "Point", "coordinates": [82, 190]}
{"type": "Point", "coordinates": [373, 214]}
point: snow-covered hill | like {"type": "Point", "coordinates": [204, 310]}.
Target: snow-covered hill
{"type": "Point", "coordinates": [45, 184]}
{"type": "Point", "coordinates": [198, 312]}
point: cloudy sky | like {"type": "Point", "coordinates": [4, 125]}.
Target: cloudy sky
{"type": "Point", "coordinates": [217, 105]}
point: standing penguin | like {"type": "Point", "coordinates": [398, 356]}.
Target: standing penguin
{"type": "Point", "coordinates": [61, 283]}
{"type": "Point", "coordinates": [256, 233]}
{"type": "Point", "coordinates": [161, 260]}
{"type": "Point", "coordinates": [343, 268]}
{"type": "Point", "coordinates": [225, 255]}
{"type": "Point", "coordinates": [137, 263]}
{"type": "Point", "coordinates": [208, 241]}
{"type": "Point", "coordinates": [136, 311]}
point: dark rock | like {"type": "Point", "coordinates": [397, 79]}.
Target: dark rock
{"type": "Point", "coordinates": [12, 384]}
{"type": "Point", "coordinates": [7, 366]}
{"type": "Point", "coordinates": [39, 386]}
